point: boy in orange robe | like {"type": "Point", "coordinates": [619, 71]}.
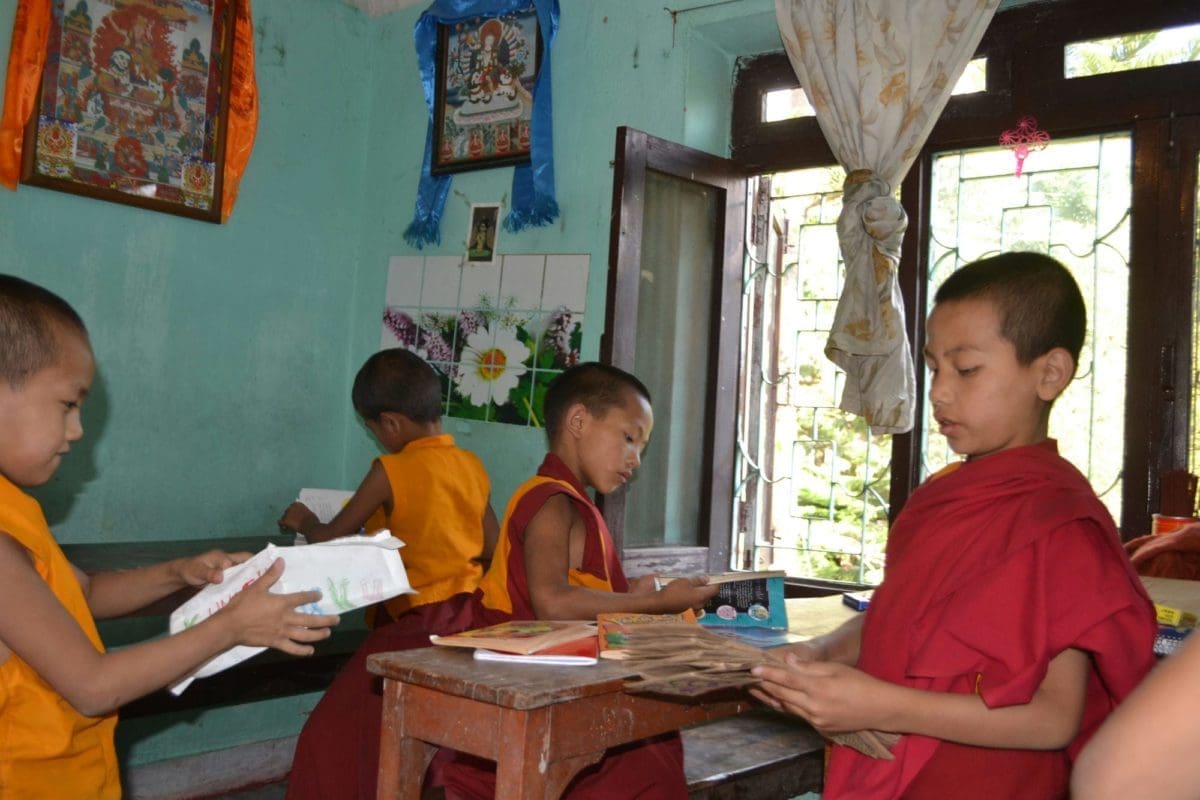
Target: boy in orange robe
{"type": "Point", "coordinates": [432, 495]}
{"type": "Point", "coordinates": [59, 689]}
{"type": "Point", "coordinates": [555, 560]}
{"type": "Point", "coordinates": [1009, 622]}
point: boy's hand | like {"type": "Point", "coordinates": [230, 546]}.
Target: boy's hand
{"type": "Point", "coordinates": [800, 651]}
{"type": "Point", "coordinates": [643, 584]}
{"type": "Point", "coordinates": [833, 697]}
{"type": "Point", "coordinates": [262, 619]}
{"type": "Point", "coordinates": [685, 593]}
{"type": "Point", "coordinates": [298, 517]}
{"type": "Point", "coordinates": [207, 567]}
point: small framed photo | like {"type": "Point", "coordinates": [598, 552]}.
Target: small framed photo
{"type": "Point", "coordinates": [482, 233]}
{"type": "Point", "coordinates": [483, 91]}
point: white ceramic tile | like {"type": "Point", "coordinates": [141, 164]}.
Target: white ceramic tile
{"type": "Point", "coordinates": [404, 280]}
{"type": "Point", "coordinates": [443, 274]}
{"type": "Point", "coordinates": [522, 281]}
{"type": "Point", "coordinates": [480, 285]}
{"type": "Point", "coordinates": [566, 282]}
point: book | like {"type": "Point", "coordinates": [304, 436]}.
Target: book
{"type": "Point", "coordinates": [325, 503]}
{"type": "Point", "coordinates": [744, 599]}
{"type": "Point", "coordinates": [1176, 617]}
{"type": "Point", "coordinates": [758, 637]}
{"type": "Point", "coordinates": [575, 653]}
{"type": "Point", "coordinates": [680, 659]}
{"type": "Point", "coordinates": [858, 600]}
{"type": "Point", "coordinates": [520, 636]}
{"type": "Point", "coordinates": [613, 628]}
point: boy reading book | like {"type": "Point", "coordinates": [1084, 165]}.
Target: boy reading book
{"type": "Point", "coordinates": [555, 560]}
{"type": "Point", "coordinates": [431, 494]}
{"type": "Point", "coordinates": [1009, 622]}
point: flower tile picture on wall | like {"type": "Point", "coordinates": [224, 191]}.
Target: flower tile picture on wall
{"type": "Point", "coordinates": [497, 335]}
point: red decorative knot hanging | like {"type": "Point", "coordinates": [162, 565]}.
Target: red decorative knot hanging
{"type": "Point", "coordinates": [1024, 139]}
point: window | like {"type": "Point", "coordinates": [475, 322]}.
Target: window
{"type": "Point", "coordinates": [782, 104]}
{"type": "Point", "coordinates": [1113, 196]}
{"type": "Point", "coordinates": [1143, 50]}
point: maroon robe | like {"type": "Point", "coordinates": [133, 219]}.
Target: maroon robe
{"type": "Point", "coordinates": [991, 572]}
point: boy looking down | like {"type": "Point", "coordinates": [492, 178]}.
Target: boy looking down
{"type": "Point", "coordinates": [1009, 622]}
{"type": "Point", "coordinates": [431, 494]}
{"type": "Point", "coordinates": [59, 689]}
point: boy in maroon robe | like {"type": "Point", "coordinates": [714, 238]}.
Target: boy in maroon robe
{"type": "Point", "coordinates": [1009, 622]}
{"type": "Point", "coordinates": [555, 559]}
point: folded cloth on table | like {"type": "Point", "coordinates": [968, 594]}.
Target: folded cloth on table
{"type": "Point", "coordinates": [1167, 555]}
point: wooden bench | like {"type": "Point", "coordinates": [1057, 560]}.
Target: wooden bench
{"type": "Point", "coordinates": [759, 755]}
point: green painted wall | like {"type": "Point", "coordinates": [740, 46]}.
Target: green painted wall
{"type": "Point", "coordinates": [226, 351]}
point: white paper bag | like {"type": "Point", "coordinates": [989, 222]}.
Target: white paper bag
{"type": "Point", "coordinates": [350, 572]}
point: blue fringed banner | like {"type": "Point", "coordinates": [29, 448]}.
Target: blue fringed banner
{"type": "Point", "coordinates": [533, 200]}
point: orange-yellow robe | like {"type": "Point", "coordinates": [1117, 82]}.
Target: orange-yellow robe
{"type": "Point", "coordinates": [439, 494]}
{"type": "Point", "coordinates": [47, 748]}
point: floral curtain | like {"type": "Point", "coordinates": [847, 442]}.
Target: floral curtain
{"type": "Point", "coordinates": [878, 73]}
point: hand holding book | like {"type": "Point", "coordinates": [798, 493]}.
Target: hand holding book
{"type": "Point", "coordinates": [683, 659]}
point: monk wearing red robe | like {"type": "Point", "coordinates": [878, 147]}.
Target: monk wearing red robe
{"type": "Point", "coordinates": [1009, 623]}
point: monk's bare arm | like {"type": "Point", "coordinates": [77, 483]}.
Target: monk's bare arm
{"type": "Point", "coordinates": [372, 493]}
{"type": "Point", "coordinates": [554, 541]}
{"type": "Point", "coordinates": [491, 533]}
{"type": "Point", "coordinates": [47, 637]}
{"type": "Point", "coordinates": [1147, 747]}
{"type": "Point", "coordinates": [838, 698]}
{"type": "Point", "coordinates": [114, 594]}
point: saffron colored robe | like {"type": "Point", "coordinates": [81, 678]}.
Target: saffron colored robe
{"type": "Point", "coordinates": [47, 748]}
{"type": "Point", "coordinates": [439, 493]}
{"type": "Point", "coordinates": [993, 570]}
{"type": "Point", "coordinates": [337, 755]}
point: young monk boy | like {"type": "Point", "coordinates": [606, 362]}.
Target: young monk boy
{"type": "Point", "coordinates": [59, 689]}
{"type": "Point", "coordinates": [430, 494]}
{"type": "Point", "coordinates": [555, 560]}
{"type": "Point", "coordinates": [1009, 622]}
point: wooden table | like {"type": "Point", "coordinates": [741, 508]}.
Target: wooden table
{"type": "Point", "coordinates": [541, 725]}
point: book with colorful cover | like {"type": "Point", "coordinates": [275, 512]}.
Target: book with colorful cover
{"type": "Point", "coordinates": [744, 599]}
{"type": "Point", "coordinates": [521, 636]}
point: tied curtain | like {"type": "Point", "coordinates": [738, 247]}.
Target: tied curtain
{"type": "Point", "coordinates": [878, 73]}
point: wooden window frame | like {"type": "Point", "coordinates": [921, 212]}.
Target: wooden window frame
{"type": "Point", "coordinates": [1160, 108]}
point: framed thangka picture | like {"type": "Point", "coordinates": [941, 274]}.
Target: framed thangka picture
{"type": "Point", "coordinates": [483, 91]}
{"type": "Point", "coordinates": [132, 103]}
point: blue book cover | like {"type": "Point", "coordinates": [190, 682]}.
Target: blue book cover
{"type": "Point", "coordinates": [747, 599]}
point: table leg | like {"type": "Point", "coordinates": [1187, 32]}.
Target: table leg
{"type": "Point", "coordinates": [526, 768]}
{"type": "Point", "coordinates": [403, 759]}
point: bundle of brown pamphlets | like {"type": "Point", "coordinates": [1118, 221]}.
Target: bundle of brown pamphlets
{"type": "Point", "coordinates": [679, 658]}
